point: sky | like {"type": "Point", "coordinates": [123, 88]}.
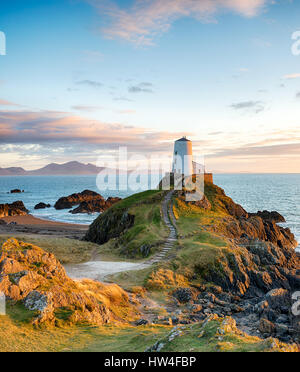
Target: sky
{"type": "Point", "coordinates": [80, 78]}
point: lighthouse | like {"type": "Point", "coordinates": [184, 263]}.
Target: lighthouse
{"type": "Point", "coordinates": [183, 157]}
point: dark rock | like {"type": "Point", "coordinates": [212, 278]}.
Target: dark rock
{"type": "Point", "coordinates": [269, 216]}
{"type": "Point", "coordinates": [278, 299]}
{"type": "Point", "coordinates": [111, 224]}
{"type": "Point", "coordinates": [95, 206]}
{"type": "Point", "coordinates": [91, 206]}
{"type": "Point", "coordinates": [145, 250]}
{"type": "Point", "coordinates": [68, 202]}
{"type": "Point", "coordinates": [112, 200]}
{"type": "Point", "coordinates": [270, 314]}
{"type": "Point", "coordinates": [42, 206]}
{"type": "Point", "coordinates": [142, 322]}
{"type": "Point", "coordinates": [2, 222]}
{"type": "Point", "coordinates": [266, 327]}
{"type": "Point", "coordinates": [16, 191]}
{"type": "Point", "coordinates": [281, 330]}
{"type": "Point", "coordinates": [183, 295]}
{"type": "Point", "coordinates": [15, 209]}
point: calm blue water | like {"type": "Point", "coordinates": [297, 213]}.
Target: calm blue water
{"type": "Point", "coordinates": [49, 189]}
{"type": "Point", "coordinates": [280, 192]}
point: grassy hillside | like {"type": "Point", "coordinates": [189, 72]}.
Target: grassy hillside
{"type": "Point", "coordinates": [133, 227]}
{"type": "Point", "coordinates": [18, 335]}
{"type": "Point", "coordinates": [217, 335]}
{"type": "Point", "coordinates": [67, 251]}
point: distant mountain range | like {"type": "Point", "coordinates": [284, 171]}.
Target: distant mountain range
{"type": "Point", "coordinates": [53, 169]}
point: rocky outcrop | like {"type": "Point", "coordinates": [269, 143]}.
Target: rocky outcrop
{"type": "Point", "coordinates": [254, 269]}
{"type": "Point", "coordinates": [217, 333]}
{"type": "Point", "coordinates": [95, 206]}
{"type": "Point", "coordinates": [16, 191]}
{"type": "Point", "coordinates": [42, 206]}
{"type": "Point", "coordinates": [269, 216]}
{"type": "Point", "coordinates": [254, 227]}
{"type": "Point", "coordinates": [202, 203]}
{"type": "Point", "coordinates": [15, 209]}
{"type": "Point", "coordinates": [30, 275]}
{"type": "Point", "coordinates": [70, 201]}
{"type": "Point", "coordinates": [109, 225]}
{"type": "Point", "coordinates": [260, 256]}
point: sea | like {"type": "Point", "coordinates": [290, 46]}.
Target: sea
{"type": "Point", "coordinates": [279, 192]}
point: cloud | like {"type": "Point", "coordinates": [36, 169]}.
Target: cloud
{"type": "Point", "coordinates": [62, 129]}
{"type": "Point", "coordinates": [3, 102]}
{"type": "Point", "coordinates": [122, 98]}
{"type": "Point", "coordinates": [287, 149]}
{"type": "Point", "coordinates": [141, 88]}
{"type": "Point", "coordinates": [292, 76]}
{"type": "Point", "coordinates": [253, 106]}
{"type": "Point", "coordinates": [91, 83]}
{"type": "Point", "coordinates": [97, 108]}
{"type": "Point", "coordinates": [298, 95]}
{"type": "Point", "coordinates": [141, 22]}
{"type": "Point", "coordinates": [86, 108]}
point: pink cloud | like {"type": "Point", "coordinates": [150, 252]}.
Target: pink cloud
{"type": "Point", "coordinates": [146, 18]}
{"type": "Point", "coordinates": [55, 127]}
{"type": "Point", "coordinates": [3, 102]}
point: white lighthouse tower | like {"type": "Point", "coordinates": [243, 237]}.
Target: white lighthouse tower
{"type": "Point", "coordinates": [183, 157]}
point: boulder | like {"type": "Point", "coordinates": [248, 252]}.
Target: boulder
{"type": "Point", "coordinates": [95, 206]}
{"type": "Point", "coordinates": [16, 191]}
{"type": "Point", "coordinates": [14, 209]}
{"type": "Point", "coordinates": [68, 202]}
{"type": "Point", "coordinates": [183, 295]}
{"type": "Point", "coordinates": [266, 327]}
{"type": "Point", "coordinates": [109, 225]}
{"type": "Point", "coordinates": [42, 206]}
{"type": "Point", "coordinates": [279, 299]}
{"type": "Point", "coordinates": [142, 322]}
{"type": "Point", "coordinates": [35, 277]}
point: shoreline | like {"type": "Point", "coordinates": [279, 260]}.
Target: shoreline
{"type": "Point", "coordinates": [31, 220]}
{"type": "Point", "coordinates": [29, 225]}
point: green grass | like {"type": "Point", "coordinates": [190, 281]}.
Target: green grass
{"type": "Point", "coordinates": [142, 197]}
{"type": "Point", "coordinates": [129, 279]}
{"type": "Point", "coordinates": [191, 342]}
{"type": "Point", "coordinates": [18, 335]}
{"type": "Point", "coordinates": [148, 229]}
{"type": "Point", "coordinates": [195, 338]}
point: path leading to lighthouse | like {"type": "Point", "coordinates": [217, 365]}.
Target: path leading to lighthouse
{"type": "Point", "coordinates": [170, 221]}
{"type": "Point", "coordinates": [99, 270]}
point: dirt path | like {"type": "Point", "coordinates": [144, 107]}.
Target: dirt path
{"type": "Point", "coordinates": [99, 270]}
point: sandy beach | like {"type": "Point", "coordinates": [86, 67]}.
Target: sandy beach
{"type": "Point", "coordinates": [32, 225]}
